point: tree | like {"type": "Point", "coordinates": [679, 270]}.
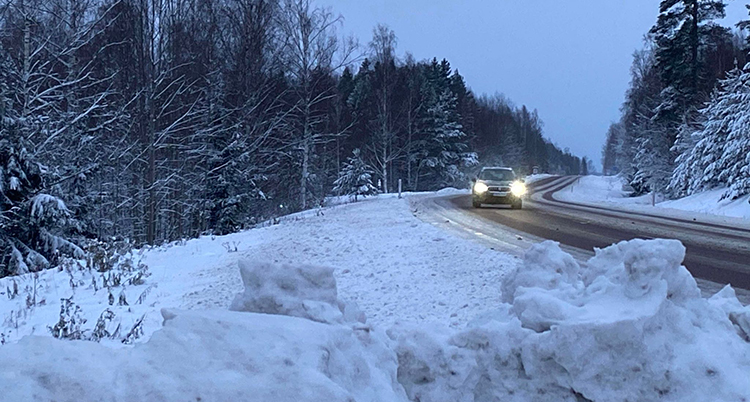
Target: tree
{"type": "Point", "coordinates": [157, 120]}
{"type": "Point", "coordinates": [585, 166]}
{"type": "Point", "coordinates": [355, 179]}
{"type": "Point", "coordinates": [384, 149]}
{"type": "Point", "coordinates": [685, 37]}
{"type": "Point", "coordinates": [720, 155]}
{"type": "Point", "coordinates": [309, 57]}
{"type": "Point", "coordinates": [679, 32]}
{"type": "Point", "coordinates": [443, 149]}
{"type": "Point", "coordinates": [33, 224]}
{"type": "Point", "coordinates": [612, 149]}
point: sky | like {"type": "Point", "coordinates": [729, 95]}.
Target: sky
{"type": "Point", "coordinates": [568, 59]}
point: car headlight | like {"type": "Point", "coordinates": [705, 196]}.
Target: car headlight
{"type": "Point", "coordinates": [480, 188]}
{"type": "Point", "coordinates": [518, 189]}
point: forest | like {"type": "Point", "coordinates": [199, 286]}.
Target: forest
{"type": "Point", "coordinates": [149, 121]}
{"type": "Point", "coordinates": [684, 127]}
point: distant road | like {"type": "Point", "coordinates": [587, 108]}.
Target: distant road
{"type": "Point", "coordinates": [715, 252]}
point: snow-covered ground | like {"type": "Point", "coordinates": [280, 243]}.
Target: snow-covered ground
{"type": "Point", "coordinates": [365, 302]}
{"type": "Point", "coordinates": [609, 190]}
{"type": "Point", "coordinates": [393, 265]}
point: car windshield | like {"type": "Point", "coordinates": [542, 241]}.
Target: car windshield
{"type": "Point", "coordinates": [497, 175]}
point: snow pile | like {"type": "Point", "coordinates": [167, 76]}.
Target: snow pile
{"type": "Point", "coordinates": [600, 190]}
{"type": "Point", "coordinates": [298, 291]}
{"type": "Point", "coordinates": [209, 356]}
{"type": "Point", "coordinates": [739, 315]}
{"type": "Point", "coordinates": [219, 355]}
{"type": "Point", "coordinates": [631, 326]}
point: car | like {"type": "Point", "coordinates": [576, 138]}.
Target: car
{"type": "Point", "coordinates": [497, 185]}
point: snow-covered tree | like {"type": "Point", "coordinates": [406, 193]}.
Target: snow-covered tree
{"type": "Point", "coordinates": [443, 149]}
{"type": "Point", "coordinates": [732, 167]}
{"type": "Point", "coordinates": [686, 52]}
{"type": "Point", "coordinates": [722, 143]}
{"type": "Point", "coordinates": [311, 53]}
{"type": "Point", "coordinates": [33, 224]}
{"type": "Point", "coordinates": [355, 179]}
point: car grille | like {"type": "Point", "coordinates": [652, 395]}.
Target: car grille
{"type": "Point", "coordinates": [503, 189]}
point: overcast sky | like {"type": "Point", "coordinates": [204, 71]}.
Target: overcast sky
{"type": "Point", "coordinates": [568, 59]}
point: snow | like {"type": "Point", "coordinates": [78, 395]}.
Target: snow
{"type": "Point", "coordinates": [446, 320]}
{"type": "Point", "coordinates": [211, 355]}
{"type": "Point", "coordinates": [390, 263]}
{"type": "Point", "coordinates": [630, 327]}
{"type": "Point", "coordinates": [300, 291]}
{"type": "Point", "coordinates": [608, 190]}
{"type": "Point", "coordinates": [710, 202]}
{"type": "Point", "coordinates": [452, 191]}
{"type": "Point", "coordinates": [532, 178]}
{"type": "Point", "coordinates": [56, 205]}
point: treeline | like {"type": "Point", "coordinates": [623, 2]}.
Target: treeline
{"type": "Point", "coordinates": [155, 120]}
{"type": "Point", "coordinates": [683, 126]}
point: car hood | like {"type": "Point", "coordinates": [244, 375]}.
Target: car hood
{"type": "Point", "coordinates": [497, 183]}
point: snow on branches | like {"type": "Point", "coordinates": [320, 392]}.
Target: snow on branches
{"type": "Point", "coordinates": [32, 223]}
{"type": "Point", "coordinates": [721, 155]}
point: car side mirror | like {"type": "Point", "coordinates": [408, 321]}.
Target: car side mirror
{"type": "Point", "coordinates": [474, 179]}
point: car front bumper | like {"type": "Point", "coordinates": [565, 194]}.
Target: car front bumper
{"type": "Point", "coordinates": [495, 198]}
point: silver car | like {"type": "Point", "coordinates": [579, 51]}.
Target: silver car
{"type": "Point", "coordinates": [497, 185]}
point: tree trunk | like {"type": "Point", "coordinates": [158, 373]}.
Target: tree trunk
{"type": "Point", "coordinates": [384, 168]}
{"type": "Point", "coordinates": [305, 170]}
{"type": "Point", "coordinates": [694, 49]}
{"type": "Point", "coordinates": [26, 61]}
{"type": "Point", "coordinates": [408, 149]}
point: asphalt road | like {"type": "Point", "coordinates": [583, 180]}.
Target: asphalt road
{"type": "Point", "coordinates": [715, 252]}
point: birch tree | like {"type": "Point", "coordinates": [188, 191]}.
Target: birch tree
{"type": "Point", "coordinates": [311, 53]}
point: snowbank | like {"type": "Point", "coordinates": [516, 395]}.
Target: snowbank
{"type": "Point", "coordinates": [631, 326]}
{"type": "Point", "coordinates": [209, 356]}
{"type": "Point", "coordinates": [711, 202]}
{"type": "Point", "coordinates": [609, 190]}
{"type": "Point", "coordinates": [600, 189]}
{"type": "Point", "coordinates": [452, 191]}
{"type": "Point", "coordinates": [217, 355]}
{"type": "Point", "coordinates": [532, 178]}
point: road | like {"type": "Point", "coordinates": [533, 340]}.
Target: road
{"type": "Point", "coordinates": [716, 252]}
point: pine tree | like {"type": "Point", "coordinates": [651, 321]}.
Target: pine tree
{"type": "Point", "coordinates": [33, 224]}
{"type": "Point", "coordinates": [443, 149]}
{"type": "Point", "coordinates": [722, 144]}
{"type": "Point", "coordinates": [638, 119]}
{"type": "Point", "coordinates": [679, 32]}
{"type": "Point", "coordinates": [684, 35]}
{"type": "Point", "coordinates": [733, 167]}
{"type": "Point", "coordinates": [355, 179]}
